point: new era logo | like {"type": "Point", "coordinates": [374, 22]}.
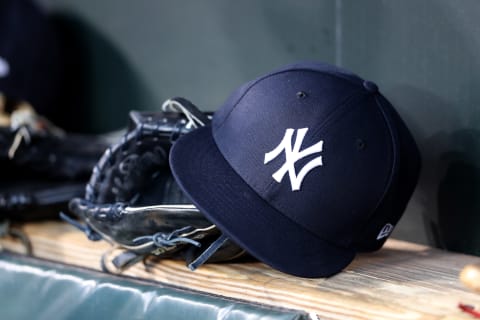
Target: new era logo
{"type": "Point", "coordinates": [385, 232]}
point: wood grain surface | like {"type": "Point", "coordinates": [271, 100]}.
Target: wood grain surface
{"type": "Point", "coordinates": [401, 281]}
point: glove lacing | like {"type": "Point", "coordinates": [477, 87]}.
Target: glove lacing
{"type": "Point", "coordinates": [161, 240]}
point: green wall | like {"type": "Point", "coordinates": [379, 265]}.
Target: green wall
{"type": "Point", "coordinates": [136, 54]}
{"type": "Point", "coordinates": [424, 55]}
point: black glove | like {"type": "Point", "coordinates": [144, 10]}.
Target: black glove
{"type": "Point", "coordinates": [41, 166]}
{"type": "Point", "coordinates": [133, 202]}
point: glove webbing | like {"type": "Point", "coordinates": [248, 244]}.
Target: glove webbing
{"type": "Point", "coordinates": [129, 258]}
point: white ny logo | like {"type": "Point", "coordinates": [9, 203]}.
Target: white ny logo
{"type": "Point", "coordinates": [292, 155]}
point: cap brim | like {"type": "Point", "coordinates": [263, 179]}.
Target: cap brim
{"type": "Point", "coordinates": [226, 200]}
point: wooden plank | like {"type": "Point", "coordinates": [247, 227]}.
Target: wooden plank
{"type": "Point", "coordinates": [401, 281]}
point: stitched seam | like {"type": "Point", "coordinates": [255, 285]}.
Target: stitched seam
{"type": "Point", "coordinates": [393, 169]}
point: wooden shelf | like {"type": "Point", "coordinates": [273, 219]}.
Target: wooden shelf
{"type": "Point", "coordinates": [401, 281]}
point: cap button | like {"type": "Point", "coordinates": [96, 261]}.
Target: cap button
{"type": "Point", "coordinates": [370, 86]}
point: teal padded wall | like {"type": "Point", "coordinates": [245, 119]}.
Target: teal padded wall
{"type": "Point", "coordinates": [424, 55]}
{"type": "Point", "coordinates": [55, 291]}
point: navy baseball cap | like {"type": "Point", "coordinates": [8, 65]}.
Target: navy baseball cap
{"type": "Point", "coordinates": [303, 168]}
{"type": "Point", "coordinates": [29, 55]}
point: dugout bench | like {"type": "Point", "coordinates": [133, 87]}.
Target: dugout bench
{"type": "Point", "coordinates": [62, 280]}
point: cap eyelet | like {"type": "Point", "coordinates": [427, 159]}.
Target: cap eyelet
{"type": "Point", "coordinates": [361, 145]}
{"type": "Point", "coordinates": [301, 94]}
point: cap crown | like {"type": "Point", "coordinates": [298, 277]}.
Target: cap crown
{"type": "Point", "coordinates": [322, 147]}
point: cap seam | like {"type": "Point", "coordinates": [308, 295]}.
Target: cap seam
{"type": "Point", "coordinates": [392, 169]}
{"type": "Point", "coordinates": [340, 110]}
